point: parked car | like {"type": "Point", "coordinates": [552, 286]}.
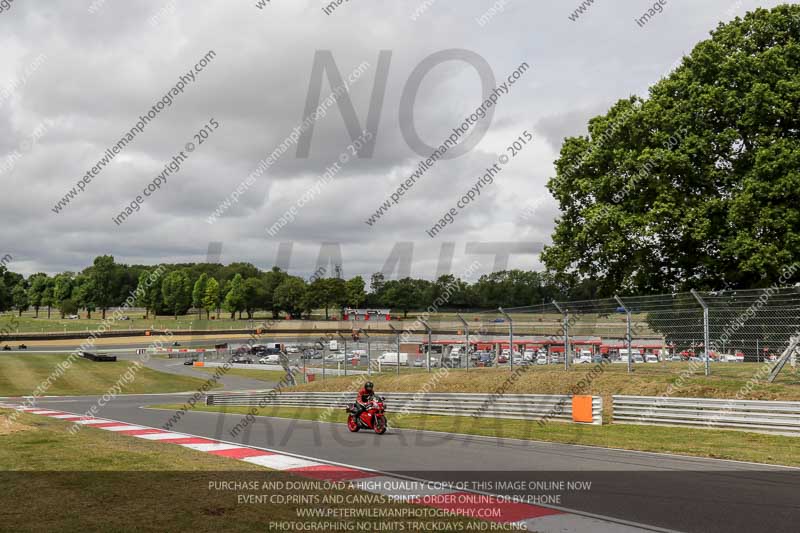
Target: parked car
{"type": "Point", "coordinates": [310, 353]}
{"type": "Point", "coordinates": [529, 355]}
{"type": "Point", "coordinates": [291, 348]}
{"type": "Point", "coordinates": [336, 357]}
{"type": "Point", "coordinates": [735, 358]}
{"type": "Point", "coordinates": [584, 356]}
{"type": "Point", "coordinates": [242, 360]}
{"type": "Point", "coordinates": [419, 363]}
{"type": "Point", "coordinates": [189, 362]}
{"type": "Point", "coordinates": [486, 359]}
{"type": "Point", "coordinates": [651, 358]}
{"type": "Point", "coordinates": [541, 359]}
{"type": "Point", "coordinates": [454, 359]}
{"type": "Point", "coordinates": [73, 317]}
{"type": "Point", "coordinates": [270, 359]}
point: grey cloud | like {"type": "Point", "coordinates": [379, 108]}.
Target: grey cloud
{"type": "Point", "coordinates": [103, 70]}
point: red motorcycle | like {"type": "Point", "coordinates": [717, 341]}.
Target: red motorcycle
{"type": "Point", "coordinates": [371, 418]}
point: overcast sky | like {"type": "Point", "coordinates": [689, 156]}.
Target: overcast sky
{"type": "Point", "coordinates": [76, 75]}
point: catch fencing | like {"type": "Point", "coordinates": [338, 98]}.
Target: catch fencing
{"type": "Point", "coordinates": [705, 327]}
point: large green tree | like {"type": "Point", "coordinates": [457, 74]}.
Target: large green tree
{"type": "Point", "coordinates": [354, 289]}
{"type": "Point", "coordinates": [699, 184]}
{"type": "Point", "coordinates": [176, 290]}
{"type": "Point", "coordinates": [199, 292]}
{"type": "Point", "coordinates": [235, 297]}
{"type": "Point", "coordinates": [105, 282]}
{"type": "Point", "coordinates": [326, 293]}
{"type": "Point", "coordinates": [404, 294]}
{"type": "Point", "coordinates": [84, 293]}
{"type": "Point", "coordinates": [212, 299]}
{"type": "Point", "coordinates": [255, 295]}
{"type": "Point", "coordinates": [19, 295]}
{"type": "Point", "coordinates": [148, 291]}
{"type": "Point", "coordinates": [37, 285]}
{"type": "Point", "coordinates": [272, 279]}
{"type": "Point", "coordinates": [63, 285]}
{"type": "Point", "coordinates": [5, 296]}
{"type": "Point", "coordinates": [290, 296]}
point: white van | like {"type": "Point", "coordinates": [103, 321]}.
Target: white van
{"type": "Point", "coordinates": [390, 358]}
{"type": "Point", "coordinates": [636, 354]}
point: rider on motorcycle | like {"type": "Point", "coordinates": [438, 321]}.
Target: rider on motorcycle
{"type": "Point", "coordinates": [365, 395]}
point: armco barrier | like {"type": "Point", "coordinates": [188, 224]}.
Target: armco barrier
{"type": "Point", "coordinates": [515, 406]}
{"type": "Point", "coordinates": [744, 415]}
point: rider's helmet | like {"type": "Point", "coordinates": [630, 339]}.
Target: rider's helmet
{"type": "Point", "coordinates": [368, 386]}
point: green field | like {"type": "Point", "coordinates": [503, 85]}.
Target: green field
{"type": "Point", "coordinates": [29, 324]}
{"type": "Point", "coordinates": [718, 444]}
{"type": "Point", "coordinates": [97, 480]}
{"type": "Point", "coordinates": [21, 374]}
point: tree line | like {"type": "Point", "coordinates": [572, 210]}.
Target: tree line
{"type": "Point", "coordinates": [242, 289]}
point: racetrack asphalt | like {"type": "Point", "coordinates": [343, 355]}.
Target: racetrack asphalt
{"type": "Point", "coordinates": [663, 491]}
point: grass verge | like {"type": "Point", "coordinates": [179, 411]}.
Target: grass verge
{"type": "Point", "coordinates": [727, 381]}
{"type": "Point", "coordinates": [100, 481]}
{"type": "Point", "coordinates": [717, 444]}
{"type": "Point", "coordinates": [22, 374]}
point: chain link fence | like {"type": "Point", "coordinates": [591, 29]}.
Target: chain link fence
{"type": "Point", "coordinates": [666, 332]}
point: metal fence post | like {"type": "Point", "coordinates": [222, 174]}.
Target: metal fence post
{"type": "Point", "coordinates": [369, 352]}
{"type": "Point", "coordinates": [565, 325]}
{"type": "Point", "coordinates": [344, 340]}
{"type": "Point", "coordinates": [628, 338]}
{"type": "Point", "coordinates": [466, 332]}
{"type": "Point", "coordinates": [706, 334]}
{"type": "Point", "coordinates": [510, 338]}
{"type": "Point", "coordinates": [430, 342]}
{"type": "Point", "coordinates": [398, 347]}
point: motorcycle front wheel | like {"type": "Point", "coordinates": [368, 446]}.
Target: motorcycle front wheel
{"type": "Point", "coordinates": [352, 425]}
{"type": "Point", "coordinates": [380, 425]}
